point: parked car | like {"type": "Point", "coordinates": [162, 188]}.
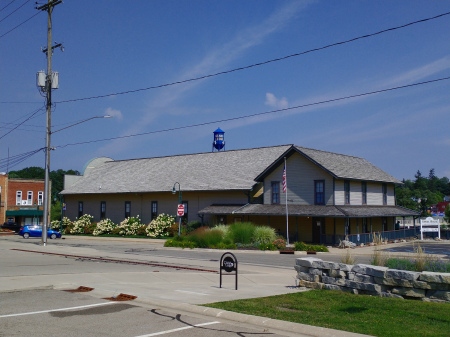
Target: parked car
{"type": "Point", "coordinates": [11, 226]}
{"type": "Point", "coordinates": [36, 231]}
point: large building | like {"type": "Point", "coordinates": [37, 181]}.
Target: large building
{"type": "Point", "coordinates": [328, 195]}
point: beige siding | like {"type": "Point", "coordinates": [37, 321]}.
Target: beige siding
{"type": "Point", "coordinates": [374, 194]}
{"type": "Point", "coordinates": [339, 194]}
{"type": "Point", "coordinates": [141, 204]}
{"type": "Point", "coordinates": [300, 174]}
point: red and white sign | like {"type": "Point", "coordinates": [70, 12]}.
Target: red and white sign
{"type": "Point", "coordinates": [180, 210]}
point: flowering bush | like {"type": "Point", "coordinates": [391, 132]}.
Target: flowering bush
{"type": "Point", "coordinates": [160, 226]}
{"type": "Point", "coordinates": [80, 224]}
{"type": "Point", "coordinates": [56, 224]}
{"type": "Point", "coordinates": [105, 226]}
{"type": "Point", "coordinates": [279, 244]}
{"type": "Point", "coordinates": [129, 226]}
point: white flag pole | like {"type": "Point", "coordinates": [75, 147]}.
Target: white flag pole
{"type": "Point", "coordinates": [287, 215]}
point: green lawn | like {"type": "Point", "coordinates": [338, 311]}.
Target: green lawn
{"type": "Point", "coordinates": [356, 313]}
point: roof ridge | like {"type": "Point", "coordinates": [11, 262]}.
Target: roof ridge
{"type": "Point", "coordinates": [340, 154]}
{"type": "Point", "coordinates": [200, 153]}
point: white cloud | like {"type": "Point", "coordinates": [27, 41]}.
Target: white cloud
{"type": "Point", "coordinates": [278, 103]}
{"type": "Point", "coordinates": [114, 113]}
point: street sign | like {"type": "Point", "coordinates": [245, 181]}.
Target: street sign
{"type": "Point", "coordinates": [180, 210]}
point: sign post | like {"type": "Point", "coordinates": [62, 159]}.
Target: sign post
{"type": "Point", "coordinates": [229, 263]}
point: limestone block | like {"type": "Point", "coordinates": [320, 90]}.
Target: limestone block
{"type": "Point", "coordinates": [312, 285]}
{"type": "Point", "coordinates": [337, 273]}
{"type": "Point", "coordinates": [384, 294]}
{"type": "Point", "coordinates": [409, 292]}
{"type": "Point", "coordinates": [370, 270]}
{"type": "Point", "coordinates": [302, 269]}
{"type": "Point", "coordinates": [439, 295]}
{"type": "Point", "coordinates": [363, 278]}
{"type": "Point", "coordinates": [307, 261]}
{"type": "Point", "coordinates": [351, 276]}
{"type": "Point", "coordinates": [332, 287]}
{"type": "Point", "coordinates": [315, 271]}
{"type": "Point", "coordinates": [402, 274]}
{"type": "Point", "coordinates": [422, 285]}
{"type": "Point", "coordinates": [326, 265]}
{"type": "Point", "coordinates": [394, 282]}
{"type": "Point", "coordinates": [308, 277]}
{"type": "Point", "coordinates": [435, 277]}
{"type": "Point", "coordinates": [345, 267]}
{"type": "Point", "coordinates": [364, 286]}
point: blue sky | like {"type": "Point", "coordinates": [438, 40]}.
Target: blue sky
{"type": "Point", "coordinates": [117, 46]}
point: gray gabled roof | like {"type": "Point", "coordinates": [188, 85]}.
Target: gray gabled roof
{"type": "Point", "coordinates": [338, 165]}
{"type": "Point", "coordinates": [218, 171]}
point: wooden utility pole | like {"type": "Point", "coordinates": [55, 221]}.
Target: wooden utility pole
{"type": "Point", "coordinates": [48, 87]}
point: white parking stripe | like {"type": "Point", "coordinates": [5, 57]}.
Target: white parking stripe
{"type": "Point", "coordinates": [179, 329]}
{"type": "Point", "coordinates": [53, 310]}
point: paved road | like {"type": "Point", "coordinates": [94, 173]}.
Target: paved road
{"type": "Point", "coordinates": [59, 313]}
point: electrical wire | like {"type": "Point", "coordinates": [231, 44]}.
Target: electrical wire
{"type": "Point", "coordinates": [1, 9]}
{"type": "Point", "coordinates": [15, 10]}
{"type": "Point", "coordinates": [14, 128]}
{"type": "Point", "coordinates": [17, 159]}
{"type": "Point", "coordinates": [260, 113]}
{"type": "Point", "coordinates": [20, 24]}
{"type": "Point", "coordinates": [260, 63]}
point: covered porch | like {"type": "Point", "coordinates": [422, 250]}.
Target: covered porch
{"type": "Point", "coordinates": [322, 224]}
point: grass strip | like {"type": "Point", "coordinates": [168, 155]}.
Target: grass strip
{"type": "Point", "coordinates": [363, 314]}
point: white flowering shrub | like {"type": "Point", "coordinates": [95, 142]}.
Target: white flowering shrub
{"type": "Point", "coordinates": [129, 226]}
{"type": "Point", "coordinates": [56, 224]}
{"type": "Point", "coordinates": [160, 225]}
{"type": "Point", "coordinates": [80, 224]}
{"type": "Point", "coordinates": [105, 226]}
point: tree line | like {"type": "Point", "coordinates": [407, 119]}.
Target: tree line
{"type": "Point", "coordinates": [422, 192]}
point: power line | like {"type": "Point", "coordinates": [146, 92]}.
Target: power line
{"type": "Point", "coordinates": [260, 63]}
{"type": "Point", "coordinates": [32, 114]}
{"type": "Point", "coordinates": [260, 113]}
{"type": "Point", "coordinates": [20, 24]}
{"type": "Point", "coordinates": [16, 160]}
{"type": "Point", "coordinates": [1, 9]}
{"type": "Point", "coordinates": [15, 10]}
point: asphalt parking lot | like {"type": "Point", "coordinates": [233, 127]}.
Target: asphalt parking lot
{"type": "Point", "coordinates": [49, 312]}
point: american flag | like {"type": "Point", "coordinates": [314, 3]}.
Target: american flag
{"type": "Point", "coordinates": [284, 178]}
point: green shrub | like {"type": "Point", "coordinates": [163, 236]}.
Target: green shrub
{"type": "Point", "coordinates": [205, 237]}
{"type": "Point", "coordinates": [181, 244]}
{"type": "Point", "coordinates": [280, 243]}
{"type": "Point", "coordinates": [224, 229]}
{"type": "Point", "coordinates": [267, 246]}
{"type": "Point", "coordinates": [161, 226]}
{"type": "Point", "coordinates": [264, 234]}
{"type": "Point", "coordinates": [241, 232]}
{"type": "Point", "coordinates": [300, 246]}
{"type": "Point", "coordinates": [105, 226]}
{"type": "Point", "coordinates": [192, 226]}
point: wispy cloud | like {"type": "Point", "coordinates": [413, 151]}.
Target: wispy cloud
{"type": "Point", "coordinates": [214, 61]}
{"type": "Point", "coordinates": [278, 103]}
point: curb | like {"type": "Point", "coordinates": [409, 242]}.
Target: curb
{"type": "Point", "coordinates": [301, 330]}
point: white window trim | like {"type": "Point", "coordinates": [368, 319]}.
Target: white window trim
{"type": "Point", "coordinates": [19, 198]}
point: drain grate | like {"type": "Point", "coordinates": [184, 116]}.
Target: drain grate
{"type": "Point", "coordinates": [121, 297]}
{"type": "Point", "coordinates": [80, 289]}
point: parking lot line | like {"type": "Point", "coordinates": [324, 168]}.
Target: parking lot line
{"type": "Point", "coordinates": [53, 310]}
{"type": "Point", "coordinates": [178, 329]}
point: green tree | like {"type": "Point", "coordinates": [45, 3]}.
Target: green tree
{"type": "Point", "coordinates": [447, 214]}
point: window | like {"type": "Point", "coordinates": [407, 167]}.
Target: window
{"type": "Point", "coordinates": [319, 192]}
{"type": "Point", "coordinates": [127, 209]}
{"type": "Point", "coordinates": [185, 216]}
{"type": "Point", "coordinates": [30, 198]}
{"type": "Point", "coordinates": [384, 188]}
{"type": "Point", "coordinates": [40, 198]}
{"type": "Point", "coordinates": [347, 192]}
{"type": "Point", "coordinates": [364, 192]}
{"type": "Point", "coordinates": [102, 210]}
{"type": "Point", "coordinates": [18, 197]}
{"type": "Point", "coordinates": [154, 210]}
{"type": "Point", "coordinates": [80, 209]}
{"type": "Point", "coordinates": [275, 192]}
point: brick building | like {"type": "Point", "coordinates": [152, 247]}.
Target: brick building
{"type": "Point", "coordinates": [22, 200]}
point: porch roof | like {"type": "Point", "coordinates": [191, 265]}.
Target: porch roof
{"type": "Point", "coordinates": [310, 210]}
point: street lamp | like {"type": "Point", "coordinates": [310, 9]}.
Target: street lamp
{"type": "Point", "coordinates": [47, 170]}
{"type": "Point", "coordinates": [174, 191]}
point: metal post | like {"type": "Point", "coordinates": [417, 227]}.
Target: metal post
{"type": "Point", "coordinates": [179, 202]}
{"type": "Point", "coordinates": [61, 204]}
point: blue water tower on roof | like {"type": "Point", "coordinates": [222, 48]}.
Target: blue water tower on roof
{"type": "Point", "coordinates": [219, 140]}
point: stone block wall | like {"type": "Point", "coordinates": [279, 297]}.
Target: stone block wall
{"type": "Point", "coordinates": [373, 280]}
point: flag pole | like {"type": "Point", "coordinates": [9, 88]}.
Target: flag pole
{"type": "Point", "coordinates": [285, 192]}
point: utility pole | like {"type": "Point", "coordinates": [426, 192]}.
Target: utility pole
{"type": "Point", "coordinates": [48, 88]}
